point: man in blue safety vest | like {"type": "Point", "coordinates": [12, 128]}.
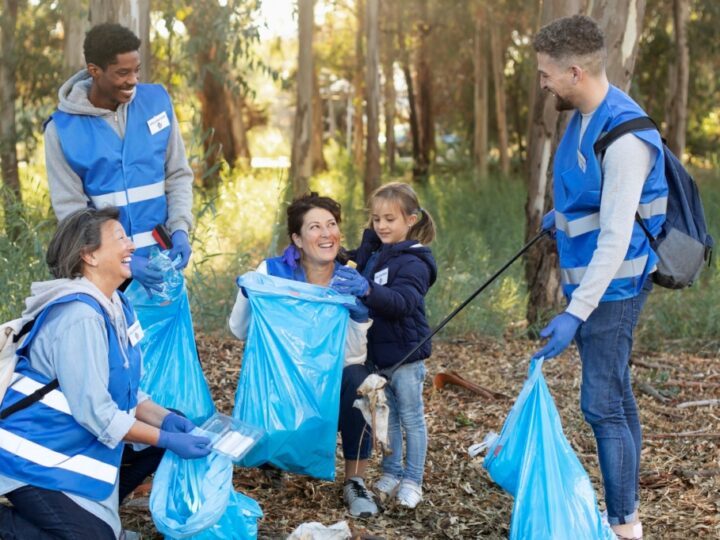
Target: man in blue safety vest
{"type": "Point", "coordinates": [116, 142]}
{"type": "Point", "coordinates": [605, 256]}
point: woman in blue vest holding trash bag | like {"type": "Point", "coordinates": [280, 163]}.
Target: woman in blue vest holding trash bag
{"type": "Point", "coordinates": [64, 466]}
{"type": "Point", "coordinates": [313, 224]}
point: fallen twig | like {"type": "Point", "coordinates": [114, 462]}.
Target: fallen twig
{"type": "Point", "coordinates": [701, 403]}
{"type": "Point", "coordinates": [700, 434]}
{"type": "Point", "coordinates": [647, 388]}
{"type": "Point", "coordinates": [451, 377]}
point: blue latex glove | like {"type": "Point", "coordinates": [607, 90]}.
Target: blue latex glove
{"type": "Point", "coordinates": [561, 330]}
{"type": "Point", "coordinates": [148, 275]}
{"type": "Point", "coordinates": [184, 445]}
{"type": "Point", "coordinates": [174, 423]}
{"type": "Point", "coordinates": [181, 246]}
{"type": "Point", "coordinates": [358, 311]}
{"type": "Point", "coordinates": [548, 222]}
{"type": "Point", "coordinates": [349, 281]}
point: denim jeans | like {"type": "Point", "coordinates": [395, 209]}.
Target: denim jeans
{"type": "Point", "coordinates": [605, 342]}
{"type": "Point", "coordinates": [407, 416]}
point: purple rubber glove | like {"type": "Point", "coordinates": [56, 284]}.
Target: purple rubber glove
{"type": "Point", "coordinates": [148, 275]}
{"type": "Point", "coordinates": [181, 246]}
{"type": "Point", "coordinates": [184, 445]}
{"type": "Point", "coordinates": [349, 281]}
{"type": "Point", "coordinates": [291, 256]}
{"type": "Point", "coordinates": [174, 423]}
{"type": "Point", "coordinates": [548, 222]}
{"type": "Point", "coordinates": [561, 330]}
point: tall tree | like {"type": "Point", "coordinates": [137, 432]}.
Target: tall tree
{"type": "Point", "coordinates": [407, 74]}
{"type": "Point", "coordinates": [301, 159]}
{"type": "Point", "coordinates": [388, 52]}
{"type": "Point", "coordinates": [358, 98]}
{"type": "Point", "coordinates": [8, 133]}
{"type": "Point", "coordinates": [480, 90]}
{"type": "Point", "coordinates": [74, 20]}
{"type": "Point", "coordinates": [677, 113]}
{"type": "Point", "coordinates": [318, 129]}
{"type": "Point", "coordinates": [423, 76]}
{"type": "Point", "coordinates": [621, 20]}
{"type": "Point", "coordinates": [133, 14]}
{"type": "Point", "coordinates": [372, 84]}
{"type": "Point", "coordinates": [497, 53]}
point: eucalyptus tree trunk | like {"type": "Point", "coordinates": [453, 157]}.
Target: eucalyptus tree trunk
{"type": "Point", "coordinates": [11, 195]}
{"type": "Point", "coordinates": [372, 84]}
{"type": "Point", "coordinates": [75, 21]}
{"type": "Point", "coordinates": [407, 74]}
{"type": "Point", "coordinates": [621, 20]}
{"type": "Point", "coordinates": [389, 92]}
{"type": "Point", "coordinates": [133, 14]}
{"type": "Point", "coordinates": [301, 159]}
{"type": "Point", "coordinates": [497, 52]}
{"type": "Point", "coordinates": [676, 117]}
{"type": "Point", "coordinates": [358, 139]}
{"type": "Point", "coordinates": [423, 75]}
{"type": "Point", "coordinates": [318, 159]}
{"type": "Point", "coordinates": [480, 91]}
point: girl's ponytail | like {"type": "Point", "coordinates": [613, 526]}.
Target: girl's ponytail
{"type": "Point", "coordinates": [424, 229]}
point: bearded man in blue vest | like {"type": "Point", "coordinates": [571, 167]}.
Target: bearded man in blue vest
{"type": "Point", "coordinates": [605, 257]}
{"type": "Point", "coordinates": [116, 142]}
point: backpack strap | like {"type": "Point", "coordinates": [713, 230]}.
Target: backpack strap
{"type": "Point", "coordinates": [636, 124]}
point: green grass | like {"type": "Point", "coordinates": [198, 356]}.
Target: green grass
{"type": "Point", "coordinates": [480, 226]}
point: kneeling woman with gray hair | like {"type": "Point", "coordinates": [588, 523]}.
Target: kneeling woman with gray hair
{"type": "Point", "coordinates": [64, 465]}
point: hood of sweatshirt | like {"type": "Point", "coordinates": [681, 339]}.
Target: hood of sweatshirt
{"type": "Point", "coordinates": [73, 96]}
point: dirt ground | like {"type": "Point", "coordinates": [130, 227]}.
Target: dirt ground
{"type": "Point", "coordinates": [680, 469]}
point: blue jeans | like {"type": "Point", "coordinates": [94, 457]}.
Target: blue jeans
{"type": "Point", "coordinates": [407, 415]}
{"type": "Point", "coordinates": [605, 342]}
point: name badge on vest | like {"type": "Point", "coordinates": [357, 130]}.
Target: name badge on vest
{"type": "Point", "coordinates": [158, 122]}
{"type": "Point", "coordinates": [135, 333]}
{"type": "Point", "coordinates": [381, 277]}
{"type": "Point", "coordinates": [581, 161]}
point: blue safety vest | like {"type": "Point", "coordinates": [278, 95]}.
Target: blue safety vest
{"type": "Point", "coordinates": [125, 172]}
{"type": "Point", "coordinates": [577, 191]}
{"type": "Point", "coordinates": [43, 445]}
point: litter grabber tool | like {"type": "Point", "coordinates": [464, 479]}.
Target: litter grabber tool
{"type": "Point", "coordinates": [387, 373]}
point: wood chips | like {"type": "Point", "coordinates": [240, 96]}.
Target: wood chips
{"type": "Point", "coordinates": [680, 469]}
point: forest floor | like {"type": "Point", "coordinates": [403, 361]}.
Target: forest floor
{"type": "Point", "coordinates": [680, 469]}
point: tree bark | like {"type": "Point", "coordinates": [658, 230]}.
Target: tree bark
{"type": "Point", "coordinates": [390, 95]}
{"type": "Point", "coordinates": [480, 92]}
{"type": "Point", "coordinates": [11, 195]}
{"type": "Point", "coordinates": [318, 129]}
{"type": "Point", "coordinates": [497, 52]}
{"type": "Point", "coordinates": [301, 159]}
{"type": "Point", "coordinates": [621, 20]}
{"type": "Point", "coordinates": [133, 14]}
{"type": "Point", "coordinates": [74, 19]}
{"type": "Point", "coordinates": [423, 76]}
{"type": "Point", "coordinates": [677, 113]}
{"type": "Point", "coordinates": [372, 84]}
{"type": "Point", "coordinates": [358, 139]}
{"type": "Point", "coordinates": [412, 106]}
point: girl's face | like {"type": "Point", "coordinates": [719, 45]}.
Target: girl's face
{"type": "Point", "coordinates": [319, 238]}
{"type": "Point", "coordinates": [389, 222]}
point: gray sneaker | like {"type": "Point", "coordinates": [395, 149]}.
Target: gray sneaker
{"type": "Point", "coordinates": [358, 499]}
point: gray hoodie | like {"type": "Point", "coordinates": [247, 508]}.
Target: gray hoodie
{"type": "Point", "coordinates": [66, 189]}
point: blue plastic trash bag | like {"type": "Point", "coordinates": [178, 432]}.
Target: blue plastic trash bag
{"type": "Point", "coordinates": [533, 461]}
{"type": "Point", "coordinates": [194, 498]}
{"type": "Point", "coordinates": [291, 372]}
{"type": "Point", "coordinates": [172, 374]}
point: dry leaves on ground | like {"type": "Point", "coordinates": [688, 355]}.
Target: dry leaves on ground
{"type": "Point", "coordinates": [680, 474]}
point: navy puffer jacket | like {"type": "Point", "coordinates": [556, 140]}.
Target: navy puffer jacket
{"type": "Point", "coordinates": [400, 277]}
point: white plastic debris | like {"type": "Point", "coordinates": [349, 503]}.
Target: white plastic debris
{"type": "Point", "coordinates": [317, 531]}
{"type": "Point", "coordinates": [478, 448]}
{"type": "Point", "coordinates": [374, 407]}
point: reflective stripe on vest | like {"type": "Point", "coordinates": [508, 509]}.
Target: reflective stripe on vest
{"type": "Point", "coordinates": [628, 269]}
{"type": "Point", "coordinates": [591, 223]}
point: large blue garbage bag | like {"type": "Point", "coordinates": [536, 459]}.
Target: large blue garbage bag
{"type": "Point", "coordinates": [172, 374]}
{"type": "Point", "coordinates": [533, 461]}
{"type": "Point", "coordinates": [291, 372]}
{"type": "Point", "coordinates": [195, 499]}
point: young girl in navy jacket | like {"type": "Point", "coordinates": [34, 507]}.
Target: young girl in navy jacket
{"type": "Point", "coordinates": [395, 269]}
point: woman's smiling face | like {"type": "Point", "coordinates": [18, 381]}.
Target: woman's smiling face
{"type": "Point", "coordinates": [319, 238]}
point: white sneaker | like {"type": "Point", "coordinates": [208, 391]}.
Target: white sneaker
{"type": "Point", "coordinates": [358, 499]}
{"type": "Point", "coordinates": [410, 494]}
{"type": "Point", "coordinates": [386, 486]}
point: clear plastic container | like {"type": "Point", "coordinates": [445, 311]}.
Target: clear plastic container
{"type": "Point", "coordinates": [231, 437]}
{"type": "Point", "coordinates": [172, 278]}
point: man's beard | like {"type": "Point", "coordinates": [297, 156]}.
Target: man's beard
{"type": "Point", "coordinates": [562, 104]}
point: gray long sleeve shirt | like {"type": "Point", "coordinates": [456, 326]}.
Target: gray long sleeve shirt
{"type": "Point", "coordinates": [66, 188]}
